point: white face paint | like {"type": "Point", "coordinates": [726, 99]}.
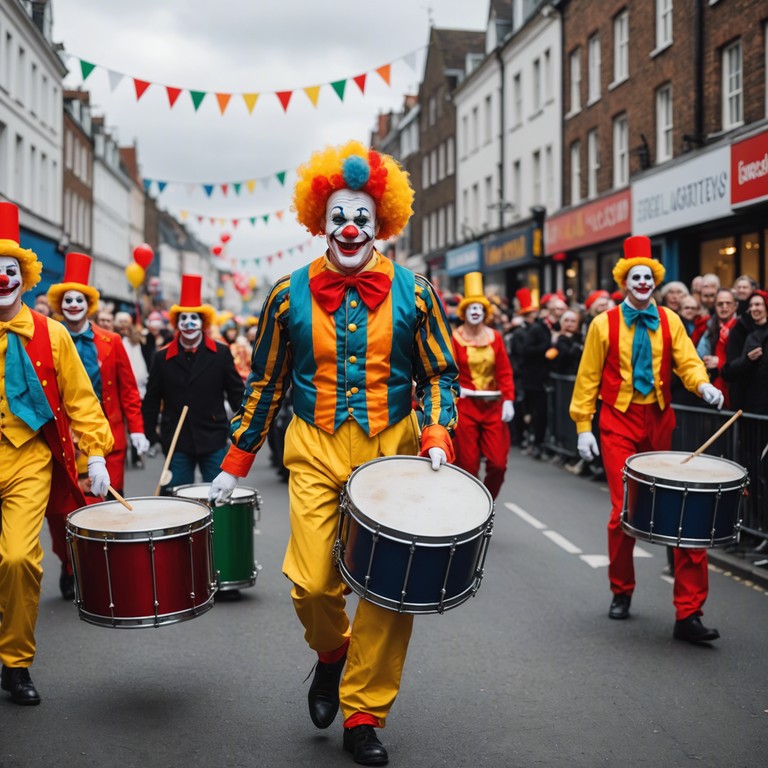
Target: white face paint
{"type": "Point", "coordinates": [640, 284]}
{"type": "Point", "coordinates": [350, 228]}
{"type": "Point", "coordinates": [474, 314]}
{"type": "Point", "coordinates": [10, 281]}
{"type": "Point", "coordinates": [74, 307]}
{"type": "Point", "coordinates": [190, 325]}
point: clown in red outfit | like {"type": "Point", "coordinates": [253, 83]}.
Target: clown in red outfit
{"type": "Point", "coordinates": [106, 361]}
{"type": "Point", "coordinates": [629, 356]}
{"type": "Point", "coordinates": [487, 399]}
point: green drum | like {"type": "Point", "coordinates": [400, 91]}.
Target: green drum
{"type": "Point", "coordinates": [233, 525]}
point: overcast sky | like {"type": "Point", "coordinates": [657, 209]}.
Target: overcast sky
{"type": "Point", "coordinates": [242, 46]}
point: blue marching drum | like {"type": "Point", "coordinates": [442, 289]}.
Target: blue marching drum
{"type": "Point", "coordinates": [696, 504]}
{"type": "Point", "coordinates": [411, 539]}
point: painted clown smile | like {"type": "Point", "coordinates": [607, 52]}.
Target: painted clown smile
{"type": "Point", "coordinates": [350, 249]}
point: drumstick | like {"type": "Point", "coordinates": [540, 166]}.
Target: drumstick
{"type": "Point", "coordinates": [172, 448]}
{"type": "Point", "coordinates": [120, 499]}
{"type": "Point", "coordinates": [714, 437]}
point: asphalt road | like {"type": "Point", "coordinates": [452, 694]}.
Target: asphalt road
{"type": "Point", "coordinates": [530, 672]}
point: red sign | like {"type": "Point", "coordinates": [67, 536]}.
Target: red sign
{"type": "Point", "coordinates": [749, 170]}
{"type": "Point", "coordinates": [592, 223]}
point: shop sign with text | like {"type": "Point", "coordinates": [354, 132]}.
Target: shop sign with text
{"type": "Point", "coordinates": [595, 222]}
{"type": "Point", "coordinates": [506, 251]}
{"type": "Point", "coordinates": [465, 258]}
{"type": "Point", "coordinates": [686, 194]}
{"type": "Point", "coordinates": [749, 170]}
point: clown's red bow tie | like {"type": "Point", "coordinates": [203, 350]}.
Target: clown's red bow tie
{"type": "Point", "coordinates": [329, 287]}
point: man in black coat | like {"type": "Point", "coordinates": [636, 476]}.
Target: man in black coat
{"type": "Point", "coordinates": [196, 371]}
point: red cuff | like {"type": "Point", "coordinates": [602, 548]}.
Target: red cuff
{"type": "Point", "coordinates": [362, 718]}
{"type": "Point", "coordinates": [331, 657]}
{"type": "Point", "coordinates": [237, 461]}
{"type": "Point", "coordinates": [436, 436]}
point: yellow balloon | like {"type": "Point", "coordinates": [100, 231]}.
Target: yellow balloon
{"type": "Point", "coordinates": [135, 274]}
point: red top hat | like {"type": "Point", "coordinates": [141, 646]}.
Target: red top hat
{"type": "Point", "coordinates": [637, 253]}
{"type": "Point", "coordinates": [9, 222]}
{"type": "Point", "coordinates": [191, 301]}
{"type": "Point", "coordinates": [523, 296]}
{"type": "Point", "coordinates": [77, 274]}
{"type": "Point", "coordinates": [77, 268]}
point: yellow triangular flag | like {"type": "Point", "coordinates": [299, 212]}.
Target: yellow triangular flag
{"type": "Point", "coordinates": [184, 215]}
{"type": "Point", "coordinates": [250, 101]}
{"type": "Point", "coordinates": [250, 185]}
{"type": "Point", "coordinates": [313, 92]}
{"type": "Point", "coordinates": [222, 222]}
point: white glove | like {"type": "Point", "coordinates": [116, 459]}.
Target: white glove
{"type": "Point", "coordinates": [464, 392]}
{"type": "Point", "coordinates": [140, 442]}
{"type": "Point", "coordinates": [711, 395]}
{"type": "Point", "coordinates": [99, 477]}
{"type": "Point", "coordinates": [222, 487]}
{"type": "Point", "coordinates": [587, 446]}
{"type": "Point", "coordinates": [508, 410]}
{"type": "Point", "coordinates": [438, 457]}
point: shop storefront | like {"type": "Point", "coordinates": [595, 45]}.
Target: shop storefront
{"type": "Point", "coordinates": [513, 260]}
{"type": "Point", "coordinates": [53, 262]}
{"type": "Point", "coordinates": [584, 243]}
{"type": "Point", "coordinates": [459, 261]}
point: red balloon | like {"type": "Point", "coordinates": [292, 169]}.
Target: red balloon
{"type": "Point", "coordinates": [217, 249]}
{"type": "Point", "coordinates": [225, 238]}
{"type": "Point", "coordinates": [143, 255]}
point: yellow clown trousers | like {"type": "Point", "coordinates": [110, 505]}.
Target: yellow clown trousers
{"type": "Point", "coordinates": [25, 483]}
{"type": "Point", "coordinates": [319, 466]}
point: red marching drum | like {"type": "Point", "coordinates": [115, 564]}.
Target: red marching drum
{"type": "Point", "coordinates": [146, 567]}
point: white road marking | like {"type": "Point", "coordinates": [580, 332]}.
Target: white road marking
{"type": "Point", "coordinates": [668, 579]}
{"type": "Point", "coordinates": [562, 542]}
{"type": "Point", "coordinates": [596, 561]}
{"type": "Point", "coordinates": [523, 515]}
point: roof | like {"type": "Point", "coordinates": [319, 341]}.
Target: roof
{"type": "Point", "coordinates": [455, 44]}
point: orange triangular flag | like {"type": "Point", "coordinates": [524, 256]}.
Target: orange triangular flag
{"type": "Point", "coordinates": [141, 86]}
{"type": "Point", "coordinates": [250, 101]}
{"type": "Point", "coordinates": [384, 72]}
{"type": "Point", "coordinates": [360, 80]}
{"type": "Point", "coordinates": [223, 99]}
{"type": "Point", "coordinates": [279, 215]}
{"type": "Point", "coordinates": [313, 92]}
{"type": "Point", "coordinates": [284, 97]}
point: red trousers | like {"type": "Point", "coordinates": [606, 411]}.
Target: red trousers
{"type": "Point", "coordinates": [481, 432]}
{"type": "Point", "coordinates": [644, 428]}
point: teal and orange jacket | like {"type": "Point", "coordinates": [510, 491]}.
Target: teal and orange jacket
{"type": "Point", "coordinates": [351, 364]}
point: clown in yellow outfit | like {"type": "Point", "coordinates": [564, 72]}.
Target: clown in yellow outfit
{"type": "Point", "coordinates": [44, 390]}
{"type": "Point", "coordinates": [350, 332]}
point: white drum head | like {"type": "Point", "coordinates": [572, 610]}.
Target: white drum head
{"type": "Point", "coordinates": [405, 494]}
{"type": "Point", "coordinates": [199, 492]}
{"type": "Point", "coordinates": [149, 514]}
{"type": "Point", "coordinates": [666, 465]}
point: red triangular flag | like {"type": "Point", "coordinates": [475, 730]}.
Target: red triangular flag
{"type": "Point", "coordinates": [173, 94]}
{"type": "Point", "coordinates": [141, 86]}
{"type": "Point", "coordinates": [285, 97]}
{"type": "Point", "coordinates": [224, 188]}
{"type": "Point", "coordinates": [360, 80]}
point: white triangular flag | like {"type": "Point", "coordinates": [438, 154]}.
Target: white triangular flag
{"type": "Point", "coordinates": [114, 79]}
{"type": "Point", "coordinates": [410, 60]}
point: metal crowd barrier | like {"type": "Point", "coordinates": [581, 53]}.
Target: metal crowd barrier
{"type": "Point", "coordinates": [746, 443]}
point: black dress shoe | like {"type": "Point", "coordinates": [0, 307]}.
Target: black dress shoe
{"type": "Point", "coordinates": [620, 606]}
{"type": "Point", "coordinates": [365, 746]}
{"type": "Point", "coordinates": [67, 584]}
{"type": "Point", "coordinates": [323, 693]}
{"type": "Point", "coordinates": [693, 631]}
{"type": "Point", "coordinates": [17, 681]}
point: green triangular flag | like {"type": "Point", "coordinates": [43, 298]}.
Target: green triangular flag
{"type": "Point", "coordinates": [281, 178]}
{"type": "Point", "coordinates": [339, 87]}
{"type": "Point", "coordinates": [257, 261]}
{"type": "Point", "coordinates": [266, 218]}
{"type": "Point", "coordinates": [86, 68]}
{"type": "Point", "coordinates": [236, 186]}
{"type": "Point", "coordinates": [252, 220]}
{"type": "Point", "coordinates": [197, 98]}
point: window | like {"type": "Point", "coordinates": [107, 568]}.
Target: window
{"type": "Point", "coordinates": [465, 208]}
{"type": "Point", "coordinates": [550, 171]}
{"type": "Point", "coordinates": [68, 150]}
{"type": "Point", "coordinates": [594, 69]}
{"type": "Point", "coordinates": [425, 235]}
{"type": "Point", "coordinates": [441, 228]}
{"type": "Point", "coordinates": [33, 97]}
{"type": "Point", "coordinates": [425, 172]}
{"type": "Point", "coordinates": [475, 142]}
{"type": "Point", "coordinates": [449, 169]}
{"type": "Point", "coordinates": [664, 124]}
{"type": "Point", "coordinates": [488, 200]}
{"type": "Point", "coordinates": [517, 99]}
{"type": "Point", "coordinates": [537, 177]}
{"type": "Point", "coordinates": [450, 236]}
{"type": "Point", "coordinates": [593, 163]}
{"type": "Point", "coordinates": [464, 136]}
{"type": "Point", "coordinates": [575, 172]}
{"type": "Point", "coordinates": [21, 63]}
{"type": "Point", "coordinates": [433, 167]}
{"type": "Point", "coordinates": [621, 47]}
{"type": "Point", "coordinates": [488, 120]}
{"type": "Point", "coordinates": [432, 110]}
{"type": "Point", "coordinates": [44, 100]}
{"type": "Point", "coordinates": [5, 80]}
{"type": "Point", "coordinates": [575, 61]}
{"type": "Point", "coordinates": [18, 170]}
{"type": "Point", "coordinates": [620, 152]}
{"type": "Point", "coordinates": [663, 23]}
{"type": "Point", "coordinates": [547, 76]}
{"type": "Point", "coordinates": [441, 161]}
{"type": "Point", "coordinates": [475, 205]}
{"type": "Point", "coordinates": [733, 86]}
{"type": "Point", "coordinates": [536, 84]}
{"type": "Point", "coordinates": [517, 185]}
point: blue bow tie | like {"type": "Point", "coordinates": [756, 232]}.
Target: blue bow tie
{"type": "Point", "coordinates": [644, 320]}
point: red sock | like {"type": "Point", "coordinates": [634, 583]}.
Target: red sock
{"type": "Point", "coordinates": [331, 657]}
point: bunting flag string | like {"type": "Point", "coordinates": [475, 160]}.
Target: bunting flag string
{"type": "Point", "coordinates": [225, 221]}
{"type": "Point", "coordinates": [250, 99]}
{"type": "Point", "coordinates": [209, 187]}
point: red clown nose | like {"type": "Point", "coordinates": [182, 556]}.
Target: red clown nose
{"type": "Point", "coordinates": [349, 231]}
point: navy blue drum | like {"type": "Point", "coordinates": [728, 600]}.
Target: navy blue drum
{"type": "Point", "coordinates": [696, 504]}
{"type": "Point", "coordinates": [411, 539]}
